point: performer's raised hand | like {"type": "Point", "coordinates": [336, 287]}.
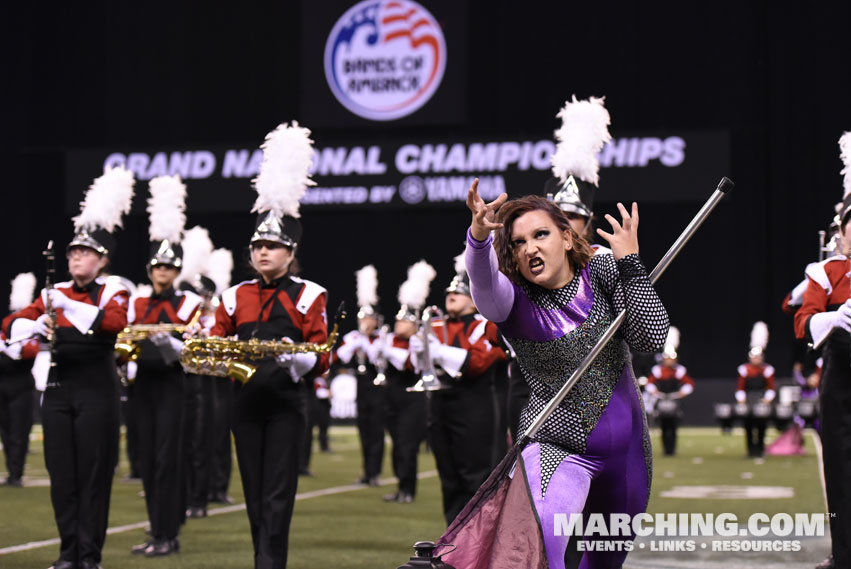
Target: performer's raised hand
{"type": "Point", "coordinates": [483, 213]}
{"type": "Point", "coordinates": [623, 240]}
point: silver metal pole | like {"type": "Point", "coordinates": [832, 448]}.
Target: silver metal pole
{"type": "Point", "coordinates": [724, 186]}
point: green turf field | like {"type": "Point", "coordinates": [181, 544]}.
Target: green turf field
{"type": "Point", "coordinates": [337, 524]}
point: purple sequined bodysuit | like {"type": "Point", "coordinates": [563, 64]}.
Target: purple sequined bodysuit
{"type": "Point", "coordinates": [593, 454]}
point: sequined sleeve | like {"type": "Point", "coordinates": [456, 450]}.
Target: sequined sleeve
{"type": "Point", "coordinates": [627, 284]}
{"type": "Point", "coordinates": [492, 292]}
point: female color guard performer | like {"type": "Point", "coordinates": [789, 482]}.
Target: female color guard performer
{"type": "Point", "coordinates": [80, 405]}
{"type": "Point", "coordinates": [269, 410]}
{"type": "Point", "coordinates": [159, 387]}
{"type": "Point", "coordinates": [551, 299]}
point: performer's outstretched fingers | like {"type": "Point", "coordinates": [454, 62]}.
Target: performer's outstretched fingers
{"type": "Point", "coordinates": [613, 222]}
{"type": "Point", "coordinates": [635, 215]}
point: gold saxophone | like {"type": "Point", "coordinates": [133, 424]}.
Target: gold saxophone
{"type": "Point", "coordinates": [127, 341]}
{"type": "Point", "coordinates": [229, 357]}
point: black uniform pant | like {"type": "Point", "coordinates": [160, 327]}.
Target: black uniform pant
{"type": "Point", "coordinates": [159, 404]}
{"type": "Point", "coordinates": [268, 448]}
{"type": "Point", "coordinates": [131, 431]}
{"type": "Point", "coordinates": [16, 419]}
{"type": "Point", "coordinates": [80, 420]}
{"type": "Point", "coordinates": [669, 434]}
{"type": "Point", "coordinates": [755, 435]}
{"type": "Point", "coordinates": [198, 438]}
{"type": "Point", "coordinates": [406, 422]}
{"type": "Point", "coordinates": [321, 418]}
{"type": "Point", "coordinates": [462, 428]}
{"type": "Point", "coordinates": [836, 441]}
{"type": "Point", "coordinates": [222, 459]}
{"type": "Point", "coordinates": [370, 421]}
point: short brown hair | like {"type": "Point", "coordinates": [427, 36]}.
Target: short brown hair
{"type": "Point", "coordinates": [578, 256]}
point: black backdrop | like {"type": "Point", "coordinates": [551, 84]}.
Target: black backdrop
{"type": "Point", "coordinates": [109, 74]}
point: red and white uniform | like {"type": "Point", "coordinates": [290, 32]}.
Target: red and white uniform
{"type": "Point", "coordinates": [755, 379]}
{"type": "Point", "coordinates": [669, 379]}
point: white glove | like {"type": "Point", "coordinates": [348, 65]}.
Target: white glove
{"type": "Point", "coordinates": [450, 358]}
{"type": "Point", "coordinates": [416, 344]}
{"type": "Point", "coordinates": [741, 397]}
{"type": "Point", "coordinates": [823, 323]}
{"type": "Point", "coordinates": [297, 364]}
{"type": "Point", "coordinates": [80, 314]}
{"type": "Point", "coordinates": [26, 328]}
{"type": "Point", "coordinates": [844, 316]}
{"type": "Point", "coordinates": [13, 351]}
{"type": "Point", "coordinates": [132, 370]}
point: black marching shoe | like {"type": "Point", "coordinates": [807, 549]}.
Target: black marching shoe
{"type": "Point", "coordinates": [162, 547]}
{"type": "Point", "coordinates": [14, 482]}
{"type": "Point", "coordinates": [827, 564]}
{"type": "Point", "coordinates": [221, 498]}
{"type": "Point", "coordinates": [89, 564]}
{"type": "Point", "coordinates": [140, 549]}
{"type": "Point", "coordinates": [404, 498]}
{"type": "Point", "coordinates": [62, 564]}
{"type": "Point", "coordinates": [196, 512]}
{"type": "Point", "coordinates": [391, 497]}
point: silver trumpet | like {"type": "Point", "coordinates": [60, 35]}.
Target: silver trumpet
{"type": "Point", "coordinates": [431, 379]}
{"type": "Point", "coordinates": [381, 360]}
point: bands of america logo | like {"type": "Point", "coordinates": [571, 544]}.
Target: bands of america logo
{"type": "Point", "coordinates": [385, 59]}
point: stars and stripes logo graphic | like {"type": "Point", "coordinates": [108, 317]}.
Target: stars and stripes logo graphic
{"type": "Point", "coordinates": [384, 59]}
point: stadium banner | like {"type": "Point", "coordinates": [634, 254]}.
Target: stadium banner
{"type": "Point", "coordinates": [435, 173]}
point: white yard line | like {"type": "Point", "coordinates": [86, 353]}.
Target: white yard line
{"type": "Point", "coordinates": [218, 511]}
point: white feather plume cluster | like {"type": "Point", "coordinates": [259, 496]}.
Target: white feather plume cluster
{"type": "Point", "coordinates": [197, 248]}
{"type": "Point", "coordinates": [23, 289]}
{"type": "Point", "coordinates": [759, 335]}
{"type": "Point", "coordinates": [673, 340]}
{"type": "Point", "coordinates": [414, 291]}
{"type": "Point", "coordinates": [845, 154]}
{"type": "Point", "coordinates": [583, 132]}
{"type": "Point", "coordinates": [220, 269]}
{"type": "Point", "coordinates": [107, 200]}
{"type": "Point", "coordinates": [284, 172]}
{"type": "Point", "coordinates": [166, 208]}
{"type": "Point", "coordinates": [367, 286]}
{"type": "Point", "coordinates": [460, 265]}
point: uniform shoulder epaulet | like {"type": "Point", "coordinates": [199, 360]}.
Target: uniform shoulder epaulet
{"type": "Point", "coordinates": [743, 370]}
{"type": "Point", "coordinates": [601, 250]}
{"type": "Point", "coordinates": [656, 370]}
{"type": "Point", "coordinates": [309, 294]}
{"type": "Point", "coordinates": [768, 371]}
{"type": "Point", "coordinates": [680, 371]}
{"type": "Point", "coordinates": [229, 296]}
{"type": "Point", "coordinates": [111, 287]}
{"type": "Point", "coordinates": [479, 330]}
{"type": "Point", "coordinates": [827, 272]}
{"type": "Point", "coordinates": [191, 301]}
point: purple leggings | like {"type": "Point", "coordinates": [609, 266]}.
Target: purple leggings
{"type": "Point", "coordinates": [611, 477]}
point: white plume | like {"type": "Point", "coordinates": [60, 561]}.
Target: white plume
{"type": "Point", "coordinates": [284, 172]}
{"type": "Point", "coordinates": [107, 199]}
{"type": "Point", "coordinates": [220, 269]}
{"type": "Point", "coordinates": [673, 340]}
{"type": "Point", "coordinates": [166, 208]}
{"type": "Point", "coordinates": [414, 291]}
{"type": "Point", "coordinates": [460, 265]}
{"type": "Point", "coordinates": [584, 130]}
{"type": "Point", "coordinates": [845, 154]}
{"type": "Point", "coordinates": [197, 248]}
{"type": "Point", "coordinates": [759, 335]}
{"type": "Point", "coordinates": [367, 286]}
{"type": "Point", "coordinates": [23, 289]}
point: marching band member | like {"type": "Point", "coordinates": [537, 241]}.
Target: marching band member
{"type": "Point", "coordinates": [669, 380]}
{"type": "Point", "coordinates": [552, 299]}
{"type": "Point", "coordinates": [825, 319]}
{"type": "Point", "coordinates": [80, 405]}
{"type": "Point", "coordinates": [269, 410]}
{"type": "Point", "coordinates": [756, 385]}
{"type": "Point", "coordinates": [463, 421]}
{"type": "Point", "coordinates": [17, 386]}
{"type": "Point", "coordinates": [406, 410]}
{"type": "Point", "coordinates": [159, 387]}
{"type": "Point", "coordinates": [359, 349]}
{"type": "Point", "coordinates": [204, 426]}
